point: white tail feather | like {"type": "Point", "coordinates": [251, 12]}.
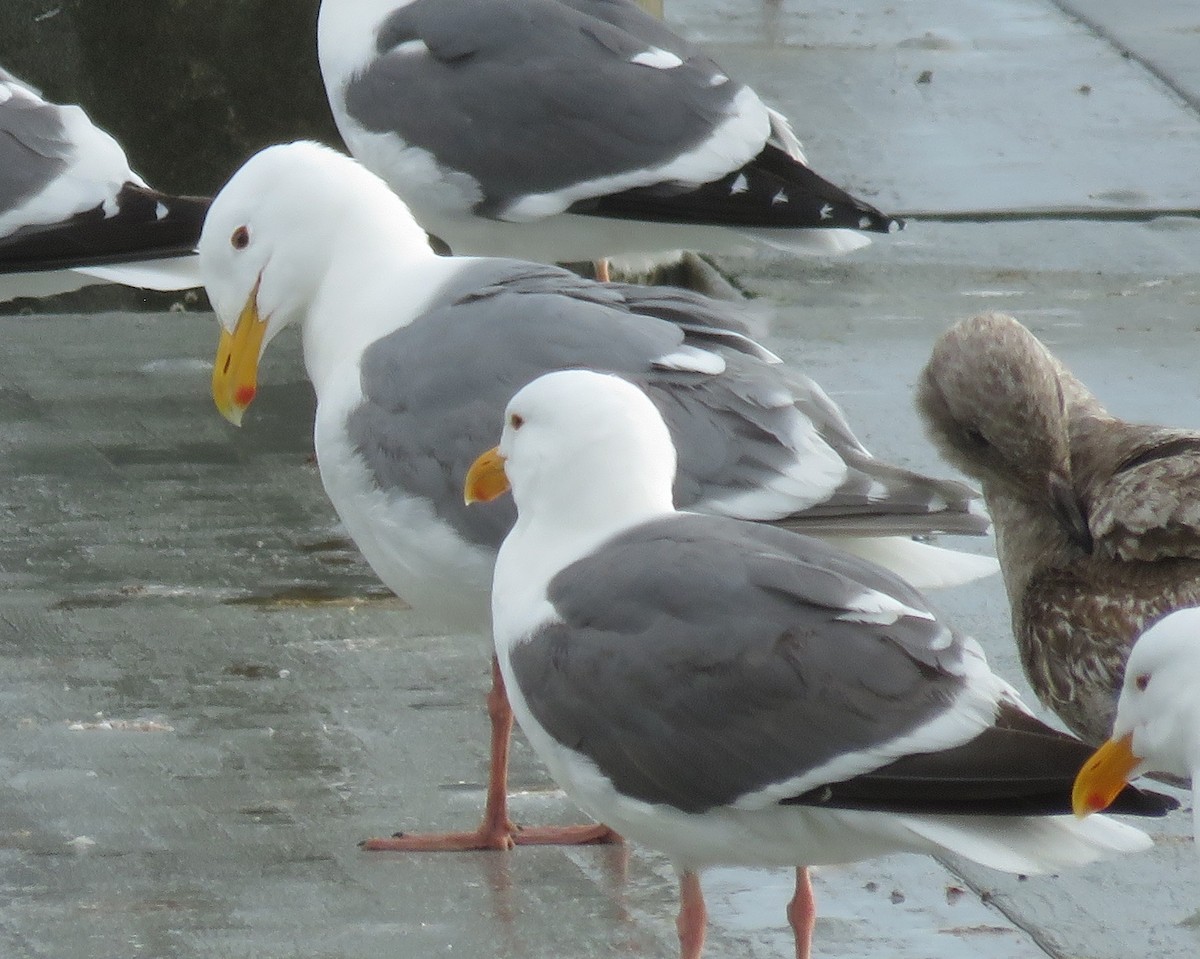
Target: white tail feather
{"type": "Point", "coordinates": [171, 273]}
{"type": "Point", "coordinates": [833, 242]}
{"type": "Point", "coordinates": [1027, 844]}
{"type": "Point", "coordinates": [922, 564]}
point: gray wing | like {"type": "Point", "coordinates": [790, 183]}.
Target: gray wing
{"type": "Point", "coordinates": [699, 660]}
{"type": "Point", "coordinates": [878, 497]}
{"type": "Point", "coordinates": [435, 393]}
{"type": "Point", "coordinates": [582, 109]}
{"type": "Point", "coordinates": [33, 145]}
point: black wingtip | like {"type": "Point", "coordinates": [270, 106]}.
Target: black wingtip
{"type": "Point", "coordinates": [773, 190]}
{"type": "Point", "coordinates": [146, 225]}
{"type": "Point", "coordinates": [1133, 801]}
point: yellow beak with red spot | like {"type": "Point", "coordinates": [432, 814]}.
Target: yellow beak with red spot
{"type": "Point", "coordinates": [235, 370]}
{"type": "Point", "coordinates": [1103, 776]}
{"type": "Point", "coordinates": [486, 479]}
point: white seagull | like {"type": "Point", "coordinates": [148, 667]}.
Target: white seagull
{"type": "Point", "coordinates": [1157, 727]}
{"type": "Point", "coordinates": [73, 213]}
{"type": "Point", "coordinates": [565, 130]}
{"type": "Point", "coordinates": [735, 694]}
{"type": "Point", "coordinates": [413, 357]}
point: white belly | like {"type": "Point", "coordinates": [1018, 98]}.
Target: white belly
{"type": "Point", "coordinates": [417, 555]}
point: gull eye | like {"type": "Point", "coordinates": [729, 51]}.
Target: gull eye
{"type": "Point", "coordinates": [516, 421]}
{"type": "Point", "coordinates": [1142, 681]}
{"type": "Point", "coordinates": [240, 238]}
{"type": "Point", "coordinates": [977, 439]}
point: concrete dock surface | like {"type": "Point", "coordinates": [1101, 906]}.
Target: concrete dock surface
{"type": "Point", "coordinates": [207, 699]}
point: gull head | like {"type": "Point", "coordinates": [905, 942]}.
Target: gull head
{"type": "Point", "coordinates": [1158, 714]}
{"type": "Point", "coordinates": [273, 236]}
{"type": "Point", "coordinates": [993, 402]}
{"type": "Point", "coordinates": [583, 450]}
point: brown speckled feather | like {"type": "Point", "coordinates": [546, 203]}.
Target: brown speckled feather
{"type": "Point", "coordinates": [1075, 627]}
{"type": "Point", "coordinates": [1141, 486]}
{"type": "Point", "coordinates": [1097, 520]}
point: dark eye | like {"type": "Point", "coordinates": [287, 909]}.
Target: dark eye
{"type": "Point", "coordinates": [976, 438]}
{"type": "Point", "coordinates": [516, 421]}
{"type": "Point", "coordinates": [1142, 681]}
{"type": "Point", "coordinates": [240, 238]}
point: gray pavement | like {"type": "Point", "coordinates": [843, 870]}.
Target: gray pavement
{"type": "Point", "coordinates": [206, 699]}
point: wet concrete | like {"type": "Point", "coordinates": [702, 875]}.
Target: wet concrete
{"type": "Point", "coordinates": [206, 700]}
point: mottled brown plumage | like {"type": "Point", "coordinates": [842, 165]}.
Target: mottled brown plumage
{"type": "Point", "coordinates": [1097, 520]}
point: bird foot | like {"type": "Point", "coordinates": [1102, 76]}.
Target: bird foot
{"type": "Point", "coordinates": [503, 837]}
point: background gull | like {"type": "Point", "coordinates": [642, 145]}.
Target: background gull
{"type": "Point", "coordinates": [735, 694]}
{"type": "Point", "coordinates": [1097, 520]}
{"type": "Point", "coordinates": [413, 357]}
{"type": "Point", "coordinates": [570, 130]}
{"type": "Point", "coordinates": [73, 213]}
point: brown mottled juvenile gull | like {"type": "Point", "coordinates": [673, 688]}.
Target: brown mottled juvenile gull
{"type": "Point", "coordinates": [413, 357]}
{"type": "Point", "coordinates": [73, 213]}
{"type": "Point", "coordinates": [571, 130]}
{"type": "Point", "coordinates": [1097, 519]}
{"type": "Point", "coordinates": [735, 694]}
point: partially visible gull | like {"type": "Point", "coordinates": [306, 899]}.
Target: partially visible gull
{"type": "Point", "coordinates": [1097, 520]}
{"type": "Point", "coordinates": [735, 694]}
{"type": "Point", "coordinates": [1158, 716]}
{"type": "Point", "coordinates": [73, 213]}
{"type": "Point", "coordinates": [563, 130]}
{"type": "Point", "coordinates": [413, 357]}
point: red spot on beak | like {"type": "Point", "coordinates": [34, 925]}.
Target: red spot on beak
{"type": "Point", "coordinates": [244, 395]}
{"type": "Point", "coordinates": [1096, 802]}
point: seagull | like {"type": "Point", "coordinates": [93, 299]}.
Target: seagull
{"type": "Point", "coordinates": [1157, 726]}
{"type": "Point", "coordinates": [413, 356]}
{"type": "Point", "coordinates": [73, 213]}
{"type": "Point", "coordinates": [735, 694]}
{"type": "Point", "coordinates": [1097, 519]}
{"type": "Point", "coordinates": [570, 130]}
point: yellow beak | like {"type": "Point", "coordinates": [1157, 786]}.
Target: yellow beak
{"type": "Point", "coordinates": [486, 479]}
{"type": "Point", "coordinates": [235, 370]}
{"type": "Point", "coordinates": [1104, 776]}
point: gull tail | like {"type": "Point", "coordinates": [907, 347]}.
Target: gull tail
{"type": "Point", "coordinates": [1030, 844]}
{"type": "Point", "coordinates": [923, 565]}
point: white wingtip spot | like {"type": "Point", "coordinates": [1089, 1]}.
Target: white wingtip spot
{"type": "Point", "coordinates": [864, 222]}
{"type": "Point", "coordinates": [878, 608]}
{"type": "Point", "coordinates": [780, 197]}
{"type": "Point", "coordinates": [411, 48]}
{"type": "Point", "coordinates": [717, 79]}
{"type": "Point", "coordinates": [689, 359]}
{"type": "Point", "coordinates": [658, 59]}
{"type": "Point", "coordinates": [160, 211]}
{"type": "Point", "coordinates": [826, 212]}
{"type": "Point", "coordinates": [740, 185]}
{"type": "Point", "coordinates": [877, 492]}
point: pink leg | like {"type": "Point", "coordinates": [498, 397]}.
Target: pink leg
{"type": "Point", "coordinates": [602, 272]}
{"type": "Point", "coordinates": [496, 831]}
{"type": "Point", "coordinates": [802, 913]}
{"type": "Point", "coordinates": [692, 920]}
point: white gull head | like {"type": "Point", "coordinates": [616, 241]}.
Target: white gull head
{"type": "Point", "coordinates": [1160, 699]}
{"type": "Point", "coordinates": [302, 232]}
{"type": "Point", "coordinates": [278, 221]}
{"type": "Point", "coordinates": [587, 452]}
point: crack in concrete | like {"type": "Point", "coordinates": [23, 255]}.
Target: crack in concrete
{"type": "Point", "coordinates": [1097, 28]}
{"type": "Point", "coordinates": [1007, 910]}
{"type": "Point", "coordinates": [1090, 214]}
